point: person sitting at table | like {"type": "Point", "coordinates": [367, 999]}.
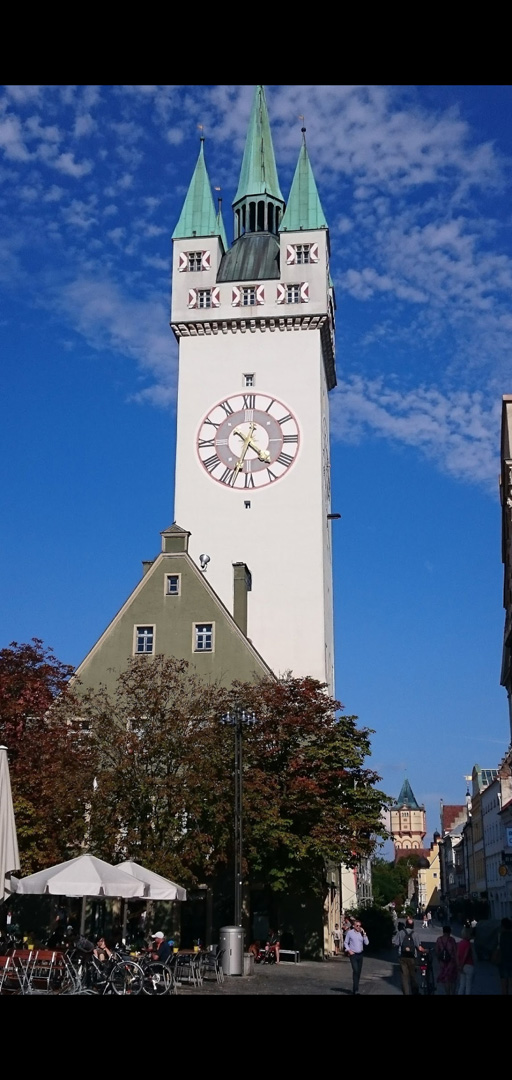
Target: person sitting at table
{"type": "Point", "coordinates": [102, 951]}
{"type": "Point", "coordinates": [160, 949]}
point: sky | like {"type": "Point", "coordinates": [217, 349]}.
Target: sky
{"type": "Point", "coordinates": [415, 182]}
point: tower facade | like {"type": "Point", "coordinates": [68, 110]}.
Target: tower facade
{"type": "Point", "coordinates": [408, 823]}
{"type": "Point", "coordinates": [255, 326]}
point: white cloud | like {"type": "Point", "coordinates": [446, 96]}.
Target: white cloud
{"type": "Point", "coordinates": [66, 163]}
{"type": "Point", "coordinates": [458, 430]}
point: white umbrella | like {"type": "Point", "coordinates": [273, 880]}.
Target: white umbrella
{"type": "Point", "coordinates": [9, 854]}
{"type": "Point", "coordinates": [83, 876]}
{"type": "Point", "coordinates": [155, 886]}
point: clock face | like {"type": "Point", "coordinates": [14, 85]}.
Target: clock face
{"type": "Point", "coordinates": [248, 441]}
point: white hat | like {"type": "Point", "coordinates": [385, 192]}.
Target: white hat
{"type": "Point", "coordinates": [158, 935]}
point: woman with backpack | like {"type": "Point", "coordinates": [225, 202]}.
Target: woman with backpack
{"type": "Point", "coordinates": [446, 952]}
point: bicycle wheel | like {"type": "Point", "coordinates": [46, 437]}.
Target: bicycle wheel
{"type": "Point", "coordinates": [157, 979]}
{"type": "Point", "coordinates": [126, 977]}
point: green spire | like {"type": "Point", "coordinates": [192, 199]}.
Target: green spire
{"type": "Point", "coordinates": [198, 217]}
{"type": "Point", "coordinates": [258, 175]}
{"type": "Point", "coordinates": [304, 209]}
{"type": "Point", "coordinates": [406, 797]}
{"type": "Point", "coordinates": [220, 230]}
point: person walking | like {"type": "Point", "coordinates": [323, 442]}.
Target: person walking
{"type": "Point", "coordinates": [355, 940]}
{"type": "Point", "coordinates": [425, 921]}
{"type": "Point", "coordinates": [336, 939]}
{"type": "Point", "coordinates": [409, 946]}
{"type": "Point", "coordinates": [429, 918]}
{"type": "Point", "coordinates": [465, 962]}
{"type": "Point", "coordinates": [446, 952]}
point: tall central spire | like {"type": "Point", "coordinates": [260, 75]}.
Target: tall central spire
{"type": "Point", "coordinates": [258, 203]}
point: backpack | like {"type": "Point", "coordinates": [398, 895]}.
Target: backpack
{"type": "Point", "coordinates": [408, 948]}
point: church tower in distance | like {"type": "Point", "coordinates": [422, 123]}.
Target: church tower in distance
{"type": "Point", "coordinates": [255, 327]}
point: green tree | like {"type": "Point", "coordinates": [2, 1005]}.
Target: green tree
{"type": "Point", "coordinates": [308, 797]}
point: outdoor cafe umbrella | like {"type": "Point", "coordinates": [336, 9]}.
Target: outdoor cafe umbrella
{"type": "Point", "coordinates": [84, 876]}
{"type": "Point", "coordinates": [155, 886]}
{"type": "Point", "coordinates": [9, 854]}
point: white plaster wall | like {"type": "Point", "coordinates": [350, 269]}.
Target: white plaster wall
{"type": "Point", "coordinates": [284, 537]}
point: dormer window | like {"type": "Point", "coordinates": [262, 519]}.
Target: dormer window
{"type": "Point", "coordinates": [248, 295]}
{"type": "Point", "coordinates": [195, 260]}
{"type": "Point", "coordinates": [293, 294]}
{"type": "Point", "coordinates": [303, 253]}
{"type": "Point", "coordinates": [204, 298]}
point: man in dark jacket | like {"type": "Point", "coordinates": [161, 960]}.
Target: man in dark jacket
{"type": "Point", "coordinates": [409, 947]}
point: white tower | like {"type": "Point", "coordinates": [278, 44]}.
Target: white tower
{"type": "Point", "coordinates": [255, 326]}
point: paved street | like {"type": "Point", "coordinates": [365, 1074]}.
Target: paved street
{"type": "Point", "coordinates": [381, 975]}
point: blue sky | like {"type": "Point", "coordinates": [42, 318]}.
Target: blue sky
{"type": "Point", "coordinates": [416, 186]}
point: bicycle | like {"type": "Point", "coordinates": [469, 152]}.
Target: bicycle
{"type": "Point", "coordinates": [117, 975]}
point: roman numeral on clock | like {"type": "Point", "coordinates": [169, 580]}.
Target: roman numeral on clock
{"type": "Point", "coordinates": [290, 438]}
{"type": "Point", "coordinates": [284, 459]}
{"type": "Point", "coordinates": [227, 407]}
{"type": "Point", "coordinates": [211, 462]}
{"type": "Point", "coordinates": [249, 401]}
{"type": "Point", "coordinates": [227, 476]}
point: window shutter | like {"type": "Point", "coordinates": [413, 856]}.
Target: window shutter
{"type": "Point", "coordinates": [281, 294]}
{"type": "Point", "coordinates": [304, 292]}
{"type": "Point", "coordinates": [313, 252]}
{"type": "Point", "coordinates": [235, 296]}
{"type": "Point", "coordinates": [182, 261]}
{"type": "Point", "coordinates": [260, 294]}
{"type": "Point", "coordinates": [216, 296]}
{"type": "Point", "coordinates": [291, 255]}
{"type": "Point", "coordinates": [206, 261]}
{"type": "Point", "coordinates": [192, 298]}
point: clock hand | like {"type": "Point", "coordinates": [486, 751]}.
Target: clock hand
{"type": "Point", "coordinates": [245, 448]}
{"type": "Point", "coordinates": [262, 454]}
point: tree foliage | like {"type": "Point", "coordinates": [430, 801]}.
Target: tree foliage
{"type": "Point", "coordinates": [147, 772]}
{"type": "Point", "coordinates": [165, 786]}
{"type": "Point", "coordinates": [51, 766]}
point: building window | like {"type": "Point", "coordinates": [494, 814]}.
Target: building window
{"type": "Point", "coordinates": [203, 637]}
{"type": "Point", "coordinates": [293, 294]}
{"type": "Point", "coordinates": [195, 260]}
{"type": "Point", "coordinates": [204, 298]}
{"type": "Point", "coordinates": [248, 295]}
{"type": "Point", "coordinates": [172, 584]}
{"type": "Point", "coordinates": [303, 253]}
{"type": "Point", "coordinates": [249, 380]}
{"type": "Point", "coordinates": [144, 639]}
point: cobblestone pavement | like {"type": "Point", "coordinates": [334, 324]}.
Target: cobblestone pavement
{"type": "Point", "coordinates": [380, 975]}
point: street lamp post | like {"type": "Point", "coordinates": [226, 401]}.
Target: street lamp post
{"type": "Point", "coordinates": [237, 718]}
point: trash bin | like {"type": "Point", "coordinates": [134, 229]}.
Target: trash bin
{"type": "Point", "coordinates": [248, 964]}
{"type": "Point", "coordinates": [231, 947]}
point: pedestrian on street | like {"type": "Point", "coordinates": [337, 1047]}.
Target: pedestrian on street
{"type": "Point", "coordinates": [465, 962]}
{"type": "Point", "coordinates": [355, 941]}
{"type": "Point", "coordinates": [409, 947]}
{"type": "Point", "coordinates": [425, 921]}
{"type": "Point", "coordinates": [336, 939]}
{"type": "Point", "coordinates": [446, 952]}
{"type": "Point", "coordinates": [429, 918]}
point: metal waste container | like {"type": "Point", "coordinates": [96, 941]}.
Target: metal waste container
{"type": "Point", "coordinates": [231, 945]}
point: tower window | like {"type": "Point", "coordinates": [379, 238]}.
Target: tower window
{"type": "Point", "coordinates": [293, 294]}
{"type": "Point", "coordinates": [204, 298]}
{"type": "Point", "coordinates": [248, 295]}
{"type": "Point", "coordinates": [144, 639]}
{"type": "Point", "coordinates": [203, 637]}
{"type": "Point", "coordinates": [303, 253]}
{"type": "Point", "coordinates": [249, 379]}
{"type": "Point", "coordinates": [172, 584]}
{"type": "Point", "coordinates": [195, 260]}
